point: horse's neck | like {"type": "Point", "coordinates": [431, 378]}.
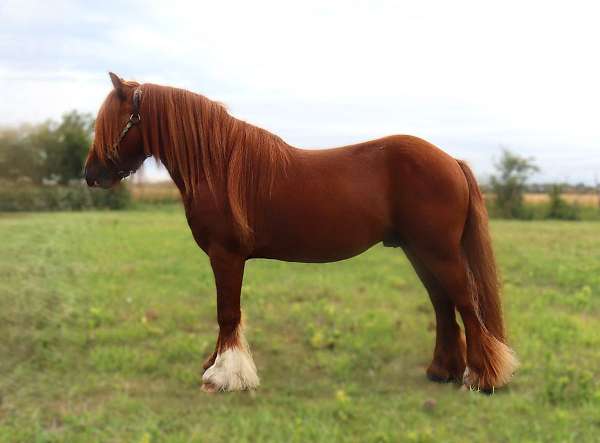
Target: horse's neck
{"type": "Point", "coordinates": [176, 177]}
{"type": "Point", "coordinates": [173, 172]}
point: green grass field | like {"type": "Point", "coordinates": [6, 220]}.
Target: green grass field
{"type": "Point", "coordinates": [106, 317]}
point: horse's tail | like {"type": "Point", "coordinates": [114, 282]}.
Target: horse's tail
{"type": "Point", "coordinates": [477, 247]}
{"type": "Point", "coordinates": [485, 289]}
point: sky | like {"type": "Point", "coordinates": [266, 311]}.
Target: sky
{"type": "Point", "coordinates": [472, 77]}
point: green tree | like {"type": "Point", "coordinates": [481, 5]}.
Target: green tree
{"type": "Point", "coordinates": [19, 158]}
{"type": "Point", "coordinates": [508, 185]}
{"type": "Point", "coordinates": [47, 150]}
{"type": "Point", "coordinates": [67, 147]}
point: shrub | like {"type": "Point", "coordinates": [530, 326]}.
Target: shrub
{"type": "Point", "coordinates": [115, 198]}
{"type": "Point", "coordinates": [74, 197]}
{"type": "Point", "coordinates": [559, 208]}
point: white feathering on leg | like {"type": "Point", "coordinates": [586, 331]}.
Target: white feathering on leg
{"type": "Point", "coordinates": [233, 370]}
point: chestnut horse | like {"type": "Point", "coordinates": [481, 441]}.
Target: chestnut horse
{"type": "Point", "coordinates": [248, 194]}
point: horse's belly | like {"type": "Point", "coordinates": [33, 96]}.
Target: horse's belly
{"type": "Point", "coordinates": [327, 212]}
{"type": "Point", "coordinates": [317, 241]}
{"type": "Point", "coordinates": [305, 255]}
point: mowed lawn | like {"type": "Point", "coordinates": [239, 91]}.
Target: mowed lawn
{"type": "Point", "coordinates": [106, 317]}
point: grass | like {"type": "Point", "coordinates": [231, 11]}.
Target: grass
{"type": "Point", "coordinates": [106, 318]}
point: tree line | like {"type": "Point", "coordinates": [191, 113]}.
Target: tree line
{"type": "Point", "coordinates": [508, 186]}
{"type": "Point", "coordinates": [50, 151]}
{"type": "Point", "coordinates": [41, 167]}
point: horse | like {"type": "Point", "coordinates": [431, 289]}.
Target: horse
{"type": "Point", "coordinates": [248, 194]}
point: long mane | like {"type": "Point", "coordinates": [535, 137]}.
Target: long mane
{"type": "Point", "coordinates": [199, 140]}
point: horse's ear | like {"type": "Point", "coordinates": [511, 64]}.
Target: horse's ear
{"type": "Point", "coordinates": [117, 83]}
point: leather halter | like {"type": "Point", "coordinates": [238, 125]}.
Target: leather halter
{"type": "Point", "coordinates": [134, 119]}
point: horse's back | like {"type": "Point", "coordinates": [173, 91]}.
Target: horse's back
{"type": "Point", "coordinates": [390, 167]}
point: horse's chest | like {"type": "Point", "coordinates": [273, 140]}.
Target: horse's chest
{"type": "Point", "coordinates": [209, 226]}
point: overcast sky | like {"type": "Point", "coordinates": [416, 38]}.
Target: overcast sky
{"type": "Point", "coordinates": [468, 76]}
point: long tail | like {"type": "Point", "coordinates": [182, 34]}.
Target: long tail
{"type": "Point", "coordinates": [498, 360]}
{"type": "Point", "coordinates": [477, 247]}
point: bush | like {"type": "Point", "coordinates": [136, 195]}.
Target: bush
{"type": "Point", "coordinates": [115, 198]}
{"type": "Point", "coordinates": [509, 185]}
{"type": "Point", "coordinates": [75, 197]}
{"type": "Point", "coordinates": [559, 208]}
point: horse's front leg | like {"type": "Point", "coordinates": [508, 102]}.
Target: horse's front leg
{"type": "Point", "coordinates": [231, 366]}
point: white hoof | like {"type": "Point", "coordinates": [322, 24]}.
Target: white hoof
{"type": "Point", "coordinates": [233, 370]}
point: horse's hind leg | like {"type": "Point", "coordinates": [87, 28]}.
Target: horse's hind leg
{"type": "Point", "coordinates": [449, 356]}
{"type": "Point", "coordinates": [490, 362]}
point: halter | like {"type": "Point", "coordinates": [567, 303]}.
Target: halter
{"type": "Point", "coordinates": [134, 119]}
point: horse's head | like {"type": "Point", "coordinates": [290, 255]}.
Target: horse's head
{"type": "Point", "coordinates": [117, 150]}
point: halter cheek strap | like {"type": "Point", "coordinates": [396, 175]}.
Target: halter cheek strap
{"type": "Point", "coordinates": [134, 118]}
{"type": "Point", "coordinates": [137, 98]}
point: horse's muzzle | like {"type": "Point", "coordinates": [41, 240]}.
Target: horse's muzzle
{"type": "Point", "coordinates": [96, 178]}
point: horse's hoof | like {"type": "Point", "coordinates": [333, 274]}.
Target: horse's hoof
{"type": "Point", "coordinates": [474, 382]}
{"type": "Point", "coordinates": [437, 378]}
{"type": "Point", "coordinates": [209, 388]}
{"type": "Point", "coordinates": [233, 370]}
{"type": "Point", "coordinates": [438, 374]}
{"type": "Point", "coordinates": [484, 391]}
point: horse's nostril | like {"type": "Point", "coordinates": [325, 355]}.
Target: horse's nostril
{"type": "Point", "coordinates": [91, 182]}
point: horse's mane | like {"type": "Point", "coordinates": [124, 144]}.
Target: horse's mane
{"type": "Point", "coordinates": [199, 140]}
